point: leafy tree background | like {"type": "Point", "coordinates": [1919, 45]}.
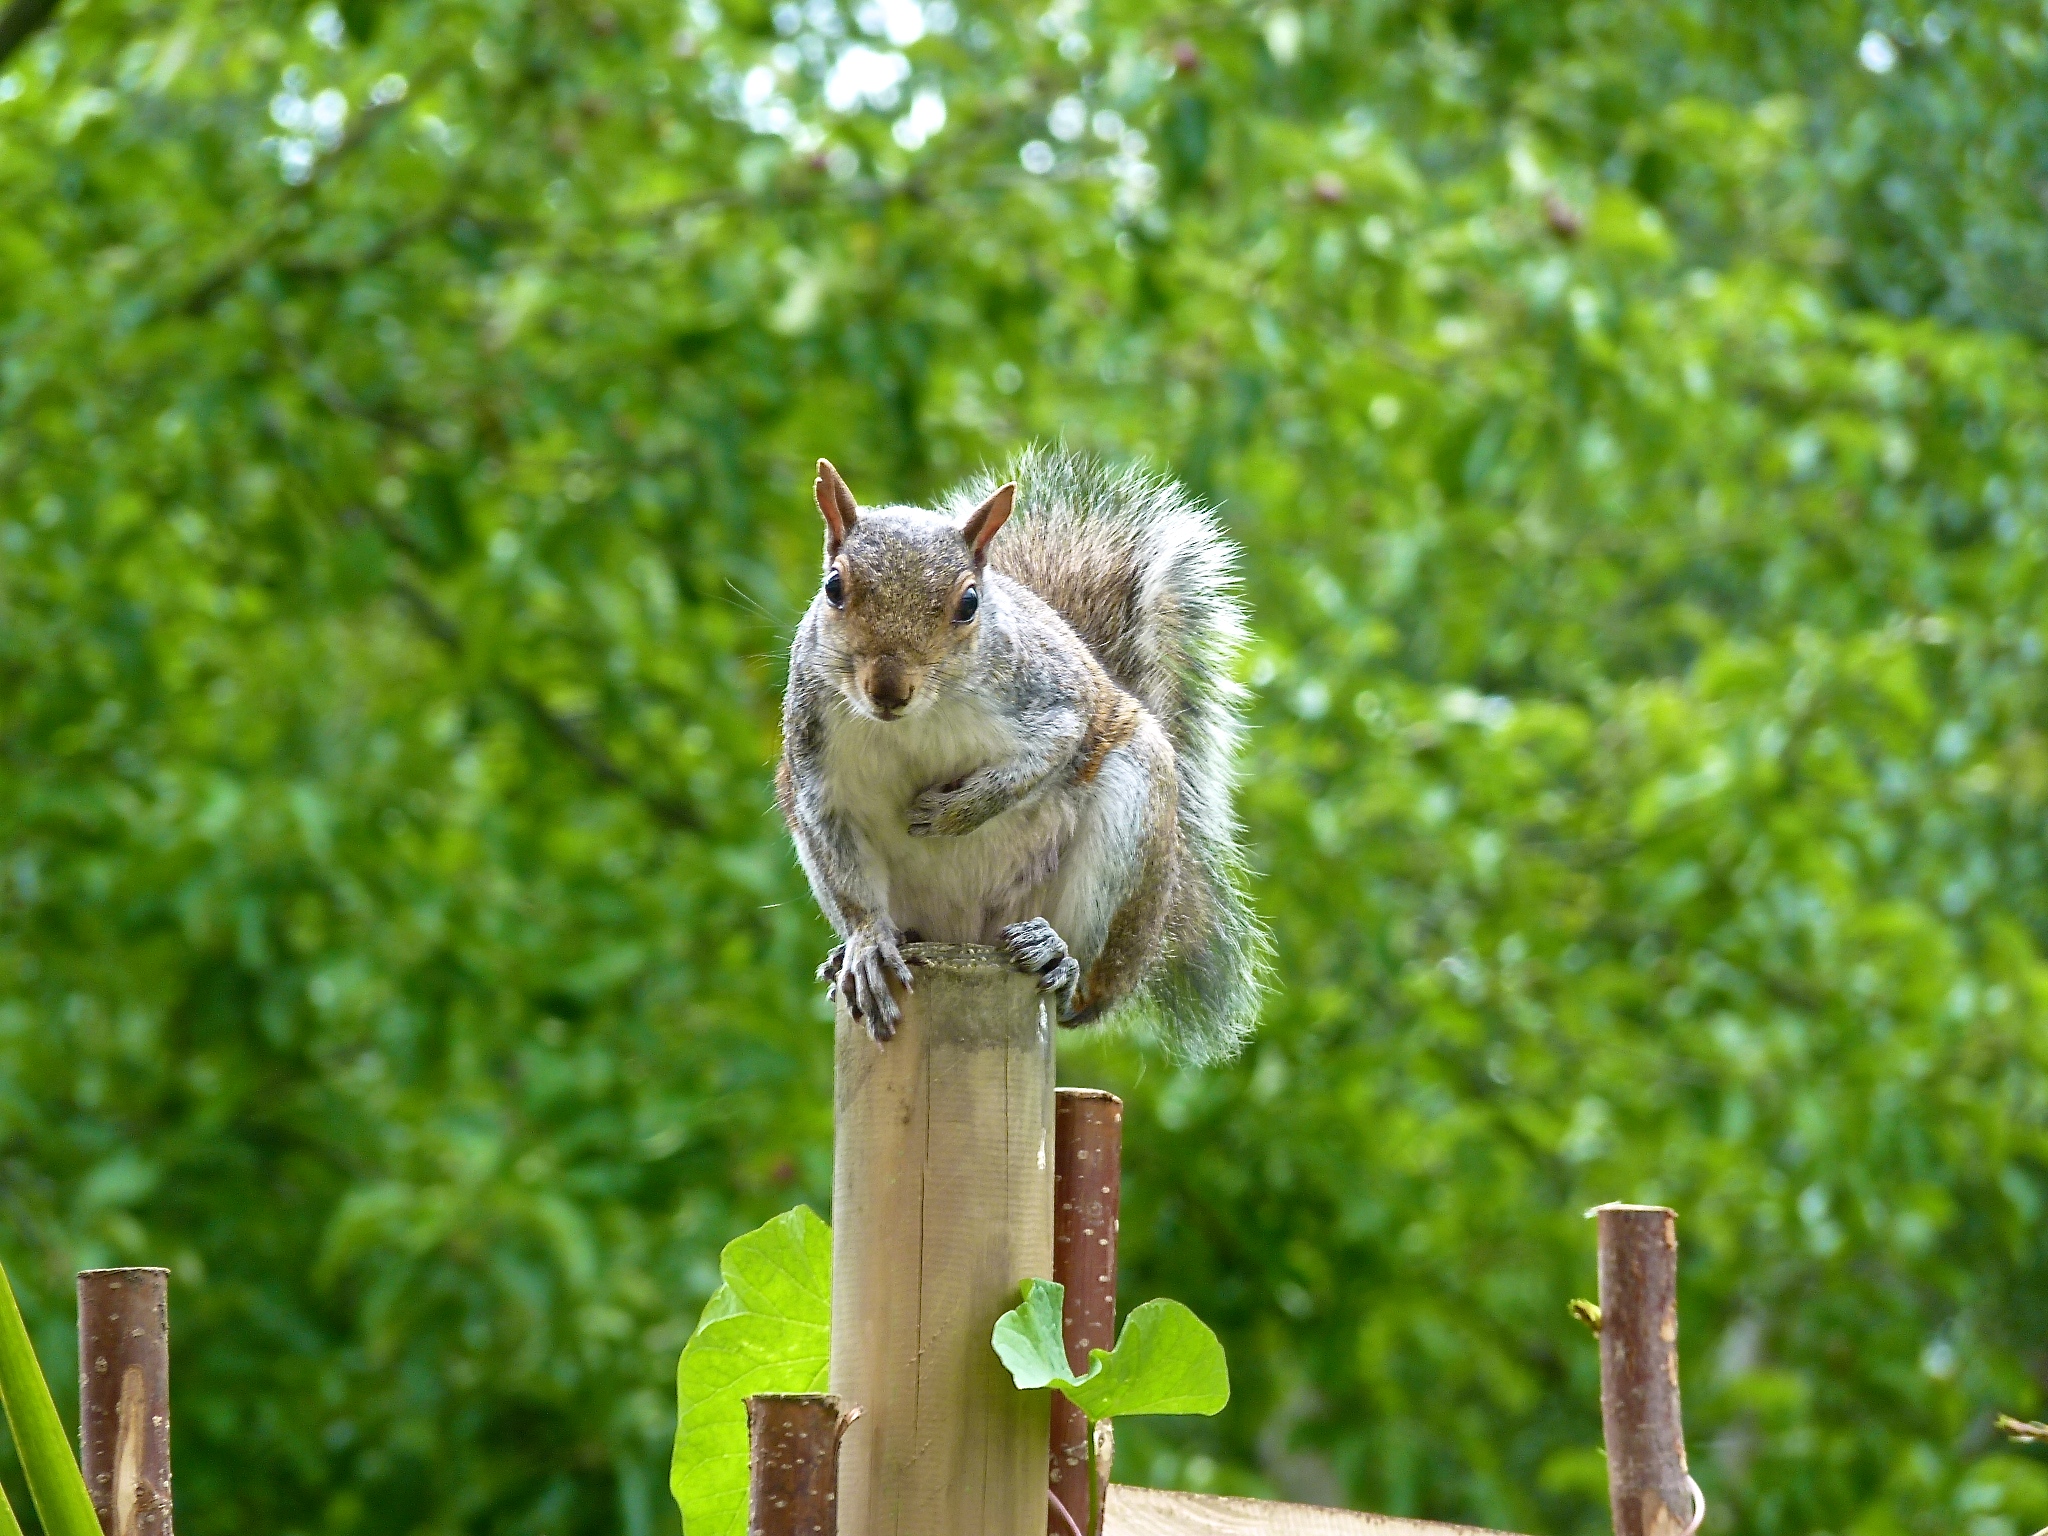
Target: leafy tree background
{"type": "Point", "coordinates": [1633, 413]}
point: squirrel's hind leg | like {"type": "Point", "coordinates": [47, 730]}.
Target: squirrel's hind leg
{"type": "Point", "coordinates": [1035, 949]}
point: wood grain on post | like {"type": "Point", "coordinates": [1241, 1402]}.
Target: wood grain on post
{"type": "Point", "coordinates": [1648, 1486]}
{"type": "Point", "coordinates": [1087, 1175]}
{"type": "Point", "coordinates": [1154, 1512]}
{"type": "Point", "coordinates": [941, 1209]}
{"type": "Point", "coordinates": [793, 1463]}
{"type": "Point", "coordinates": [124, 1398]}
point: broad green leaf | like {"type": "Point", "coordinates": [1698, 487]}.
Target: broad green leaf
{"type": "Point", "coordinates": [1031, 1340]}
{"type": "Point", "coordinates": [54, 1480]}
{"type": "Point", "coordinates": [768, 1328]}
{"type": "Point", "coordinates": [1166, 1359]}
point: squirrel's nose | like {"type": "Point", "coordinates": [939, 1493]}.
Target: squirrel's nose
{"type": "Point", "coordinates": [889, 687]}
{"type": "Point", "coordinates": [890, 695]}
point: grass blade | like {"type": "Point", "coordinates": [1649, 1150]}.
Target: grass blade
{"type": "Point", "coordinates": [54, 1480]}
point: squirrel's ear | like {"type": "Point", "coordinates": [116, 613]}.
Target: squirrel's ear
{"type": "Point", "coordinates": [985, 519]}
{"type": "Point", "coordinates": [835, 501]}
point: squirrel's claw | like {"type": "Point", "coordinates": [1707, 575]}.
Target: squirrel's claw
{"type": "Point", "coordinates": [868, 964]}
{"type": "Point", "coordinates": [948, 810]}
{"type": "Point", "coordinates": [828, 968]}
{"type": "Point", "coordinates": [1035, 949]}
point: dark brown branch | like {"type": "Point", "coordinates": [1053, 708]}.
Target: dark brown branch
{"type": "Point", "coordinates": [124, 1398]}
{"type": "Point", "coordinates": [1087, 1176]}
{"type": "Point", "coordinates": [793, 1463]}
{"type": "Point", "coordinates": [1648, 1486]}
{"type": "Point", "coordinates": [21, 21]}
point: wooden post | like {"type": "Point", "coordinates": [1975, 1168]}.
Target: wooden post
{"type": "Point", "coordinates": [124, 1398]}
{"type": "Point", "coordinates": [1648, 1486]}
{"type": "Point", "coordinates": [793, 1463]}
{"type": "Point", "coordinates": [941, 1209]}
{"type": "Point", "coordinates": [1087, 1164]}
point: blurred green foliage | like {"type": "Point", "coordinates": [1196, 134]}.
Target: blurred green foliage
{"type": "Point", "coordinates": [1635, 420]}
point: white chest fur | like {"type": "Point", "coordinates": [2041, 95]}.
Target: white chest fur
{"type": "Point", "coordinates": [960, 889]}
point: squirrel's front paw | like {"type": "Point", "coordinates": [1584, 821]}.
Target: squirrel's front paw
{"type": "Point", "coordinates": [1035, 949]}
{"type": "Point", "coordinates": [948, 810]}
{"type": "Point", "coordinates": [828, 968]}
{"type": "Point", "coordinates": [868, 962]}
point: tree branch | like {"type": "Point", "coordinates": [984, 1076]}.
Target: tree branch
{"type": "Point", "coordinates": [666, 809]}
{"type": "Point", "coordinates": [210, 289]}
{"type": "Point", "coordinates": [21, 21]}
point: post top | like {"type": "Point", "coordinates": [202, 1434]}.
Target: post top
{"type": "Point", "coordinates": [824, 1402]}
{"type": "Point", "coordinates": [956, 957]}
{"type": "Point", "coordinates": [1089, 1096]}
{"type": "Point", "coordinates": [1622, 1206]}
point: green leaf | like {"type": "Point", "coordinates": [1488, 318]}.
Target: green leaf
{"type": "Point", "coordinates": [1166, 1359]}
{"type": "Point", "coordinates": [1031, 1340]}
{"type": "Point", "coordinates": [768, 1328]}
{"type": "Point", "coordinates": [54, 1480]}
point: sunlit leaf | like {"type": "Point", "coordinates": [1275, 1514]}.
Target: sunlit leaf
{"type": "Point", "coordinates": [768, 1328]}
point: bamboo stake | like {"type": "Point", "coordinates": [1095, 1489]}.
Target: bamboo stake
{"type": "Point", "coordinates": [1087, 1164]}
{"type": "Point", "coordinates": [941, 1208]}
{"type": "Point", "coordinates": [793, 1467]}
{"type": "Point", "coordinates": [124, 1398]}
{"type": "Point", "coordinates": [1649, 1489]}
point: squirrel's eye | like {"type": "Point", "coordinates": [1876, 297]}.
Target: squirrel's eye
{"type": "Point", "coordinates": [835, 589]}
{"type": "Point", "coordinates": [970, 600]}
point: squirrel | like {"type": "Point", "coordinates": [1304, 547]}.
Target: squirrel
{"type": "Point", "coordinates": [1011, 722]}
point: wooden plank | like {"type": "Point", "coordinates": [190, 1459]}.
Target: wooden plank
{"type": "Point", "coordinates": [941, 1208]}
{"type": "Point", "coordinates": [1155, 1512]}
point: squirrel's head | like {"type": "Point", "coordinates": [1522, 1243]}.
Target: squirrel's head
{"type": "Point", "coordinates": [900, 607]}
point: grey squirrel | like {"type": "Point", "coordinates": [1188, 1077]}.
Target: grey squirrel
{"type": "Point", "coordinates": [1010, 721]}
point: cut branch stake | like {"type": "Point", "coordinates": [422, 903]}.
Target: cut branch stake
{"type": "Point", "coordinates": [1648, 1487]}
{"type": "Point", "coordinates": [1087, 1174]}
{"type": "Point", "coordinates": [124, 1398]}
{"type": "Point", "coordinates": [793, 1463]}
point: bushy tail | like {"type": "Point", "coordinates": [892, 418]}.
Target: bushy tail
{"type": "Point", "coordinates": [1144, 575]}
